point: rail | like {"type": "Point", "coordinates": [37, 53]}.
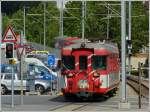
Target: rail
{"type": "Point", "coordinates": [133, 81]}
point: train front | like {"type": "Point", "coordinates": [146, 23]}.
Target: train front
{"type": "Point", "coordinates": [85, 71]}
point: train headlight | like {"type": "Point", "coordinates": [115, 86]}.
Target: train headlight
{"type": "Point", "coordinates": [96, 75]}
{"type": "Point", "coordinates": [70, 75]}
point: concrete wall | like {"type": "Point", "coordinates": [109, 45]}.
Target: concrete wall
{"type": "Point", "coordinates": [135, 61]}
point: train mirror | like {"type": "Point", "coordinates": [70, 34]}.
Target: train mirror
{"type": "Point", "coordinates": [59, 64]}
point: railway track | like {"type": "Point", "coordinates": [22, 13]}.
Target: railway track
{"type": "Point", "coordinates": [134, 83]}
{"type": "Point", "coordinates": [73, 106]}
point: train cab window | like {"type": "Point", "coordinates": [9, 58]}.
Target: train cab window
{"type": "Point", "coordinates": [68, 62]}
{"type": "Point", "coordinates": [83, 62]}
{"type": "Point", "coordinates": [99, 62]}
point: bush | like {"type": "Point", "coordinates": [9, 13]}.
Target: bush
{"type": "Point", "coordinates": [135, 72]}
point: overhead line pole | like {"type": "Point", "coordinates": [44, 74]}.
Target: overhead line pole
{"type": "Point", "coordinates": [24, 21]}
{"type": "Point", "coordinates": [61, 20]}
{"type": "Point", "coordinates": [108, 22]}
{"type": "Point", "coordinates": [44, 24]}
{"type": "Point", "coordinates": [83, 18]}
{"type": "Point", "coordinates": [124, 104]}
{"type": "Point", "coordinates": [123, 48]}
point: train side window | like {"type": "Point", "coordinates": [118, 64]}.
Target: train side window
{"type": "Point", "coordinates": [68, 62]}
{"type": "Point", "coordinates": [83, 62]}
{"type": "Point", "coordinates": [99, 62]}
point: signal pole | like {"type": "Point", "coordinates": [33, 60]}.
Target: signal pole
{"type": "Point", "coordinates": [0, 52]}
{"type": "Point", "coordinates": [129, 39]}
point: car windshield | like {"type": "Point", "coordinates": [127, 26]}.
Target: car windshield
{"type": "Point", "coordinates": [42, 57]}
{"type": "Point", "coordinates": [68, 62]}
{"type": "Point", "coordinates": [99, 62]}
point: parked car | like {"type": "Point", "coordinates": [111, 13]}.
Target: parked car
{"type": "Point", "coordinates": [40, 85]}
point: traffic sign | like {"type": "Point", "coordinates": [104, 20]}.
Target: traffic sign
{"type": "Point", "coordinates": [51, 59]}
{"type": "Point", "coordinates": [20, 51]}
{"type": "Point", "coordinates": [9, 50]}
{"type": "Point", "coordinates": [9, 35]}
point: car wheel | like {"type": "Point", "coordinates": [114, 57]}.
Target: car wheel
{"type": "Point", "coordinates": [3, 89]}
{"type": "Point", "coordinates": [39, 88]}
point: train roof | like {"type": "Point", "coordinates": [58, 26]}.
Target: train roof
{"type": "Point", "coordinates": [96, 45]}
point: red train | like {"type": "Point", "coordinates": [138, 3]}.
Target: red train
{"type": "Point", "coordinates": [90, 68]}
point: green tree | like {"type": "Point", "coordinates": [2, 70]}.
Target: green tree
{"type": "Point", "coordinates": [95, 22]}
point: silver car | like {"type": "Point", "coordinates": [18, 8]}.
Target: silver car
{"type": "Point", "coordinates": [40, 85]}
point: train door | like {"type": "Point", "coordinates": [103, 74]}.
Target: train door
{"type": "Point", "coordinates": [83, 66]}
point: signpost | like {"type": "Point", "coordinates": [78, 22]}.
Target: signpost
{"type": "Point", "coordinates": [51, 60]}
{"type": "Point", "coordinates": [21, 53]}
{"type": "Point", "coordinates": [51, 63]}
{"type": "Point", "coordinates": [12, 62]}
{"type": "Point", "coordinates": [12, 88]}
{"type": "Point", "coordinates": [10, 38]}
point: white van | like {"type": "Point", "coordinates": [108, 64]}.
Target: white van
{"type": "Point", "coordinates": [39, 63]}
